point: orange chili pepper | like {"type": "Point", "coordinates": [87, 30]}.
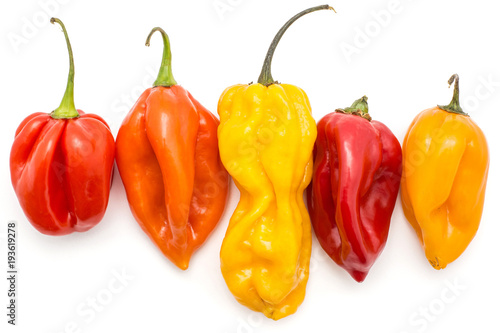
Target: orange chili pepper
{"type": "Point", "coordinates": [445, 169]}
{"type": "Point", "coordinates": [168, 158]}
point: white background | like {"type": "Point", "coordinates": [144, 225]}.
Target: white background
{"type": "Point", "coordinates": [403, 66]}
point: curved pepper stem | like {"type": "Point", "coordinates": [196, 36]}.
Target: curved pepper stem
{"type": "Point", "coordinates": [358, 108]}
{"type": "Point", "coordinates": [165, 77]}
{"type": "Point", "coordinates": [454, 105]}
{"type": "Point", "coordinates": [66, 109]}
{"type": "Point", "coordinates": [266, 77]}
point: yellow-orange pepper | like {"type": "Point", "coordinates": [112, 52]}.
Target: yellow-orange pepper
{"type": "Point", "coordinates": [266, 138]}
{"type": "Point", "coordinates": [445, 168]}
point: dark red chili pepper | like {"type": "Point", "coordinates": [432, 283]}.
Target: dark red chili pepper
{"type": "Point", "coordinates": [357, 171]}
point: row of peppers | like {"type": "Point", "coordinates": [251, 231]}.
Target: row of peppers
{"type": "Point", "coordinates": [172, 155]}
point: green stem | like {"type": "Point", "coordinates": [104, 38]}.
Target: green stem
{"type": "Point", "coordinates": [358, 108]}
{"type": "Point", "coordinates": [165, 77]}
{"type": "Point", "coordinates": [265, 77]}
{"type": "Point", "coordinates": [66, 109]}
{"type": "Point", "coordinates": [454, 105]}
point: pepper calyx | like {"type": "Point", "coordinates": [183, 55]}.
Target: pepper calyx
{"type": "Point", "coordinates": [358, 108]}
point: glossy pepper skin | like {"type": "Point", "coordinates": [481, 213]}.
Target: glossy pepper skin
{"type": "Point", "coordinates": [357, 172]}
{"type": "Point", "coordinates": [445, 169]}
{"type": "Point", "coordinates": [168, 158]}
{"type": "Point", "coordinates": [61, 165]}
{"type": "Point", "coordinates": [266, 137]}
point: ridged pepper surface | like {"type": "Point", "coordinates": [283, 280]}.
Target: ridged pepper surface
{"type": "Point", "coordinates": [168, 158]}
{"type": "Point", "coordinates": [61, 165]}
{"type": "Point", "coordinates": [357, 172]}
{"type": "Point", "coordinates": [266, 137]}
{"type": "Point", "coordinates": [445, 169]}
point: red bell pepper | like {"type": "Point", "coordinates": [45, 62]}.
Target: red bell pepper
{"type": "Point", "coordinates": [357, 171]}
{"type": "Point", "coordinates": [61, 165]}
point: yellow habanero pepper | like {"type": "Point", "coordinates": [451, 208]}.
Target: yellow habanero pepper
{"type": "Point", "coordinates": [266, 138]}
{"type": "Point", "coordinates": [445, 168]}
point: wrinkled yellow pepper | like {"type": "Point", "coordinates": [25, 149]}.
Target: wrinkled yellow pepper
{"type": "Point", "coordinates": [266, 138]}
{"type": "Point", "coordinates": [445, 169]}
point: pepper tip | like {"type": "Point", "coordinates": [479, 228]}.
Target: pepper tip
{"type": "Point", "coordinates": [437, 264]}
{"type": "Point", "coordinates": [358, 276]}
